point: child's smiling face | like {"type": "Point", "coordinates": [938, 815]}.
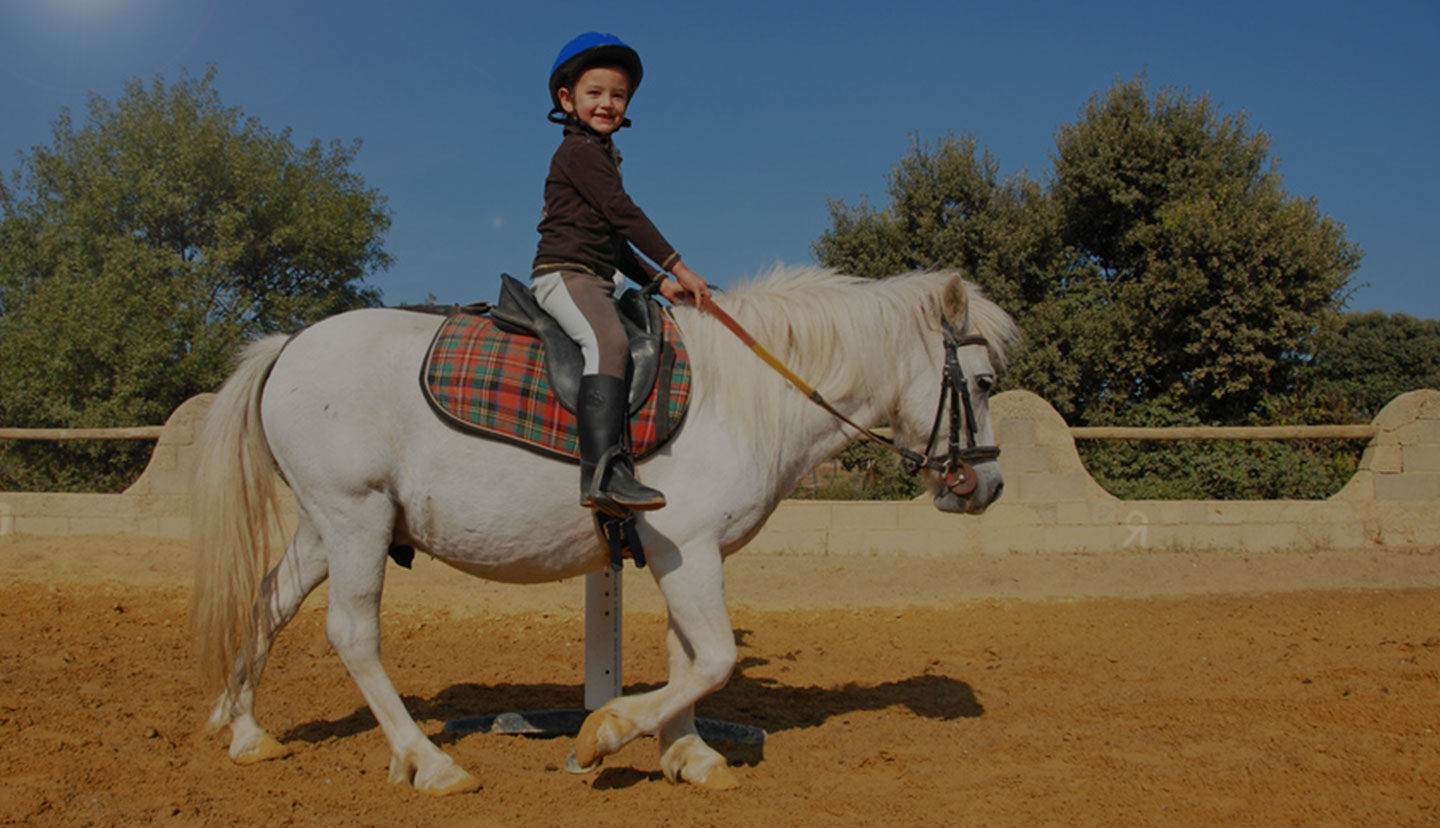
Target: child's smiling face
{"type": "Point", "coordinates": [598, 98]}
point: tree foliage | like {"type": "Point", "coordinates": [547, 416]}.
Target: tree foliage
{"type": "Point", "coordinates": [144, 247]}
{"type": "Point", "coordinates": [874, 473]}
{"type": "Point", "coordinates": [1216, 470]}
{"type": "Point", "coordinates": [1212, 281]}
{"type": "Point", "coordinates": [1162, 260]}
{"type": "Point", "coordinates": [1373, 358]}
{"type": "Point", "coordinates": [1160, 273]}
{"type": "Point", "coordinates": [950, 208]}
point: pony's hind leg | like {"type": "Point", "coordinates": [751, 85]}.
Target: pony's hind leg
{"type": "Point", "coordinates": [284, 589]}
{"type": "Point", "coordinates": [357, 576]}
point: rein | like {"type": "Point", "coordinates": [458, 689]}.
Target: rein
{"type": "Point", "coordinates": [958, 474]}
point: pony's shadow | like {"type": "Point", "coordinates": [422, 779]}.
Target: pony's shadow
{"type": "Point", "coordinates": [765, 703]}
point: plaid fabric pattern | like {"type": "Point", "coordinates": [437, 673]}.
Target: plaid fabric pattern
{"type": "Point", "coordinates": [493, 384]}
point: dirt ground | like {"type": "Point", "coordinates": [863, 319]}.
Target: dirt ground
{"type": "Point", "coordinates": [1154, 688]}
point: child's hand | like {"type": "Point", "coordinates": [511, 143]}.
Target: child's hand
{"type": "Point", "coordinates": [687, 287]}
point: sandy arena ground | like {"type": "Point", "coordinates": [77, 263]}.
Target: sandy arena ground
{"type": "Point", "coordinates": [1151, 688]}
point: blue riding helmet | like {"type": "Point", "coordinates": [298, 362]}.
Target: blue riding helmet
{"type": "Point", "coordinates": [588, 50]}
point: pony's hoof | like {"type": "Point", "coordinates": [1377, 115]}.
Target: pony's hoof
{"type": "Point", "coordinates": [603, 732]}
{"type": "Point", "coordinates": [691, 760]}
{"type": "Point", "coordinates": [718, 779]}
{"type": "Point", "coordinates": [456, 780]}
{"type": "Point", "coordinates": [573, 765]}
{"type": "Point", "coordinates": [265, 749]}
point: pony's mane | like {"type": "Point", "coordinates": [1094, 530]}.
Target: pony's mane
{"type": "Point", "coordinates": [840, 333]}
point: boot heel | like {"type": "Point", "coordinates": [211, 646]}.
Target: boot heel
{"type": "Point", "coordinates": [617, 484]}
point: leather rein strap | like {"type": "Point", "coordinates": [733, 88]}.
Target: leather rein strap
{"type": "Point", "coordinates": [958, 474]}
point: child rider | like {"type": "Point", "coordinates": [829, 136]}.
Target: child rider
{"type": "Point", "coordinates": [586, 233]}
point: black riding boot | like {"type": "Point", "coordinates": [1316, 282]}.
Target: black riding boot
{"type": "Point", "coordinates": [607, 474]}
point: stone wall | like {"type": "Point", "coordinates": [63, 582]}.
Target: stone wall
{"type": "Point", "coordinates": [1051, 504]}
{"type": "Point", "coordinates": [155, 505]}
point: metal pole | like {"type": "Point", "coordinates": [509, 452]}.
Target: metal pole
{"type": "Point", "coordinates": [604, 611]}
{"type": "Point", "coordinates": [604, 620]}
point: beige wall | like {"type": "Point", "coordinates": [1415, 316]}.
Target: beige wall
{"type": "Point", "coordinates": [156, 505]}
{"type": "Point", "coordinates": [1051, 503]}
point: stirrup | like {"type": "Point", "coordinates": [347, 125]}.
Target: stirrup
{"type": "Point", "coordinates": [614, 490]}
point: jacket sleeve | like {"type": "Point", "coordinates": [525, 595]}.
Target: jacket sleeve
{"type": "Point", "coordinates": [597, 179]}
{"type": "Point", "coordinates": [634, 266]}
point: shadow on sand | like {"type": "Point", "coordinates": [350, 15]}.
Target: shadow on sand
{"type": "Point", "coordinates": [764, 703]}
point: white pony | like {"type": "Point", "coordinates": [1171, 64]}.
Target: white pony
{"type": "Point", "coordinates": [339, 412]}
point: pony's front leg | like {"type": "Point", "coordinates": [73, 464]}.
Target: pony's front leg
{"type": "Point", "coordinates": [684, 756]}
{"type": "Point", "coordinates": [702, 656]}
{"type": "Point", "coordinates": [283, 590]}
{"type": "Point", "coordinates": [353, 627]}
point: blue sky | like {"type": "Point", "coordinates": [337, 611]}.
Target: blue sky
{"type": "Point", "coordinates": [752, 115]}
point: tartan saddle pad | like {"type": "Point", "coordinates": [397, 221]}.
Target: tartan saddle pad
{"type": "Point", "coordinates": [492, 383]}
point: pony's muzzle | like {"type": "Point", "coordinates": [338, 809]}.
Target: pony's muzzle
{"type": "Point", "coordinates": [968, 490]}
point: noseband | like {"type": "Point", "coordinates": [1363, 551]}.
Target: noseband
{"type": "Point", "coordinates": [954, 465]}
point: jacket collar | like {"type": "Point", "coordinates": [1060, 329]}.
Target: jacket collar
{"type": "Point", "coordinates": [605, 142]}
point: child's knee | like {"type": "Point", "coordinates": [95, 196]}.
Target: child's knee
{"type": "Point", "coordinates": [613, 353]}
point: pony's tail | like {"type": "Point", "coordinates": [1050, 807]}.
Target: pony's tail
{"type": "Point", "coordinates": [233, 520]}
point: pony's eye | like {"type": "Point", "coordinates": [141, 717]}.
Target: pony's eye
{"type": "Point", "coordinates": [985, 382]}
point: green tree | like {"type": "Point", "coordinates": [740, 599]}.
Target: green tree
{"type": "Point", "coordinates": [949, 207]}
{"type": "Point", "coordinates": [1162, 261]}
{"type": "Point", "coordinates": [1206, 289]}
{"type": "Point", "coordinates": [143, 248]}
{"type": "Point", "coordinates": [1373, 358]}
{"type": "Point", "coordinates": [1209, 281]}
{"type": "Point", "coordinates": [1160, 274]}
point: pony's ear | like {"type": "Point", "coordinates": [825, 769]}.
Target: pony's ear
{"type": "Point", "coordinates": [955, 301]}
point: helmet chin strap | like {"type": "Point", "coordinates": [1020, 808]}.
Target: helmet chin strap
{"type": "Point", "coordinates": [560, 116]}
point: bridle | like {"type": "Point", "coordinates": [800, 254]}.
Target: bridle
{"type": "Point", "coordinates": [954, 465]}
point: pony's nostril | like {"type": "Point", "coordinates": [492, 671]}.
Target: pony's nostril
{"type": "Point", "coordinates": [999, 487]}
